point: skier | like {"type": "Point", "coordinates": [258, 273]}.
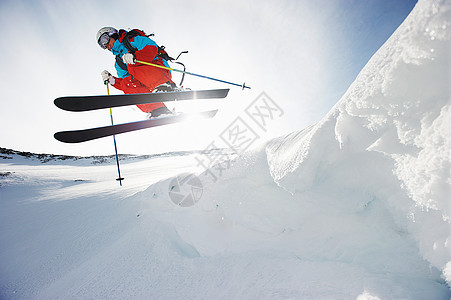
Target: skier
{"type": "Point", "coordinates": [134, 77]}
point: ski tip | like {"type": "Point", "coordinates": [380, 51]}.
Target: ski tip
{"type": "Point", "coordinates": [60, 136]}
{"type": "Point", "coordinates": [70, 103]}
{"type": "Point", "coordinates": [57, 102]}
{"type": "Point", "coordinates": [67, 137]}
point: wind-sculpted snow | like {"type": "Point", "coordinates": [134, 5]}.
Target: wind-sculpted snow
{"type": "Point", "coordinates": [390, 135]}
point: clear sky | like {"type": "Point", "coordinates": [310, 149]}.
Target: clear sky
{"type": "Point", "coordinates": [303, 54]}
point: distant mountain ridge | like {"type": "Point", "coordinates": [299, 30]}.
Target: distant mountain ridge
{"type": "Point", "coordinates": [6, 153]}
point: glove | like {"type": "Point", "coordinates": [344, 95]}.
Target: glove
{"type": "Point", "coordinates": [107, 77]}
{"type": "Point", "coordinates": [128, 58]}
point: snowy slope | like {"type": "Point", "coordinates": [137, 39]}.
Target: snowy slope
{"type": "Point", "coordinates": [356, 206]}
{"type": "Point", "coordinates": [388, 138]}
{"type": "Point", "coordinates": [390, 133]}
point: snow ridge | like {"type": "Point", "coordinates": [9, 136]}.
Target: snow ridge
{"type": "Point", "coordinates": [390, 134]}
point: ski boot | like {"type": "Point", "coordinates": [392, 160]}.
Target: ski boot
{"type": "Point", "coordinates": [166, 87]}
{"type": "Point", "coordinates": [159, 112]}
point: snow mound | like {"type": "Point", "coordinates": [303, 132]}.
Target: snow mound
{"type": "Point", "coordinates": [399, 106]}
{"type": "Point", "coordinates": [389, 137]}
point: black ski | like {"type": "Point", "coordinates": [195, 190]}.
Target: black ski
{"type": "Point", "coordinates": [78, 136]}
{"type": "Point", "coordinates": [86, 103]}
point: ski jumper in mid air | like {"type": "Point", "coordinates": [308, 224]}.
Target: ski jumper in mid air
{"type": "Point", "coordinates": [132, 77]}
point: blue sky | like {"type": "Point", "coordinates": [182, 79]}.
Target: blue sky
{"type": "Point", "coordinates": [303, 54]}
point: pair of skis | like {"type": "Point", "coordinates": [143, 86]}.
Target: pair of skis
{"type": "Point", "coordinates": [88, 103]}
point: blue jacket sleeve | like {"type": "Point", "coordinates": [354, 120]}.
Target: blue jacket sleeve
{"type": "Point", "coordinates": [139, 42]}
{"type": "Point", "coordinates": [147, 48]}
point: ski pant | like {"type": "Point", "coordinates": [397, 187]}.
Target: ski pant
{"type": "Point", "coordinates": [144, 79]}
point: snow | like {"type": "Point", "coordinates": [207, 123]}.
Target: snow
{"type": "Point", "coordinates": [355, 206]}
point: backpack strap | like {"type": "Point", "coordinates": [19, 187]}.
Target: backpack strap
{"type": "Point", "coordinates": [163, 54]}
{"type": "Point", "coordinates": [134, 32]}
{"type": "Point", "coordinates": [121, 63]}
{"type": "Point", "coordinates": [131, 34]}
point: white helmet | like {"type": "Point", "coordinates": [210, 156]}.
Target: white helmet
{"type": "Point", "coordinates": [109, 30]}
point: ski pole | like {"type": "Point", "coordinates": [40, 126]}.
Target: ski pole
{"type": "Point", "coordinates": [243, 86]}
{"type": "Point", "coordinates": [114, 139]}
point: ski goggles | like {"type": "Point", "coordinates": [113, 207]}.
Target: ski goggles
{"type": "Point", "coordinates": [103, 40]}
